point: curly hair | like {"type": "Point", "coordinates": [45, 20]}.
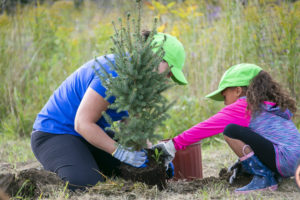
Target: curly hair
{"type": "Point", "coordinates": [264, 88]}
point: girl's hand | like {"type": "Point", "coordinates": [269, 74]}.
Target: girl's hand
{"type": "Point", "coordinates": [168, 150]}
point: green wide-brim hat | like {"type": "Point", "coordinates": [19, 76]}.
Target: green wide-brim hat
{"type": "Point", "coordinates": [237, 75]}
{"type": "Point", "coordinates": [174, 55]}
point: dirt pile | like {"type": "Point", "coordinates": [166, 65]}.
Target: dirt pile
{"type": "Point", "coordinates": [241, 179]}
{"type": "Point", "coordinates": [184, 187]}
{"type": "Point", "coordinates": [27, 181]}
{"type": "Point", "coordinates": [30, 181]}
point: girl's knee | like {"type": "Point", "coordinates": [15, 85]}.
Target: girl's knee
{"type": "Point", "coordinates": [231, 130]}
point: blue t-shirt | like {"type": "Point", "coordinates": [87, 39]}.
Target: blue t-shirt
{"type": "Point", "coordinates": [58, 115]}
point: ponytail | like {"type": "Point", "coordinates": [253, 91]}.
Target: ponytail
{"type": "Point", "coordinates": [263, 88]}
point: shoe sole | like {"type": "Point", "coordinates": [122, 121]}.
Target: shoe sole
{"type": "Point", "coordinates": [271, 188]}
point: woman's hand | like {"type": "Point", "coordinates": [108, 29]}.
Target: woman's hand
{"type": "Point", "coordinates": [133, 158]}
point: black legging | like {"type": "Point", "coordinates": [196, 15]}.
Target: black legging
{"type": "Point", "coordinates": [73, 159]}
{"type": "Point", "coordinates": [262, 147]}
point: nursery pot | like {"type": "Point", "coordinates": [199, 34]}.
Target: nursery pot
{"type": "Point", "coordinates": [188, 163]}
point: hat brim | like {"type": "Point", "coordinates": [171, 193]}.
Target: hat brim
{"type": "Point", "coordinates": [178, 76]}
{"type": "Point", "coordinates": [216, 95]}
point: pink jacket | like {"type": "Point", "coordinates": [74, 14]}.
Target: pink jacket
{"type": "Point", "coordinates": [235, 113]}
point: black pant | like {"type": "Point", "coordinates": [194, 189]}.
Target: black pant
{"type": "Point", "coordinates": [73, 159]}
{"type": "Point", "coordinates": [262, 147]}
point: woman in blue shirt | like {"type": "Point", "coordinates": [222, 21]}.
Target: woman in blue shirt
{"type": "Point", "coordinates": [68, 134]}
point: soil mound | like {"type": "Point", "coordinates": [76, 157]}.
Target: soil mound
{"type": "Point", "coordinates": [241, 179]}
{"type": "Point", "coordinates": [27, 181]}
{"type": "Point", "coordinates": [30, 181]}
{"type": "Point", "coordinates": [184, 187]}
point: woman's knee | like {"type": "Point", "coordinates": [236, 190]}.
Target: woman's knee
{"type": "Point", "coordinates": [80, 178]}
{"type": "Point", "coordinates": [231, 130]}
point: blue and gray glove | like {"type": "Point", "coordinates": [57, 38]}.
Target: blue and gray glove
{"type": "Point", "coordinates": [168, 150]}
{"type": "Point", "coordinates": [133, 158]}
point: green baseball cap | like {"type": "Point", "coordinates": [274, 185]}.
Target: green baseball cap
{"type": "Point", "coordinates": [237, 75]}
{"type": "Point", "coordinates": [174, 55]}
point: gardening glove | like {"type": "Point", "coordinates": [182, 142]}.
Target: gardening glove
{"type": "Point", "coordinates": [170, 171]}
{"type": "Point", "coordinates": [235, 169]}
{"type": "Point", "coordinates": [168, 150]}
{"type": "Point", "coordinates": [133, 158]}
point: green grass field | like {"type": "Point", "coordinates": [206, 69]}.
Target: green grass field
{"type": "Point", "coordinates": [41, 45]}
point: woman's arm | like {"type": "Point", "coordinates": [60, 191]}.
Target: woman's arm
{"type": "Point", "coordinates": [88, 113]}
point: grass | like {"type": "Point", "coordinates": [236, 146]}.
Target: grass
{"type": "Point", "coordinates": [41, 45]}
{"type": "Point", "coordinates": [15, 151]}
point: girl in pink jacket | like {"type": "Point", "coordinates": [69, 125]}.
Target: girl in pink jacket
{"type": "Point", "coordinates": [256, 124]}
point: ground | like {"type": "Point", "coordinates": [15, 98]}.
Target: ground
{"type": "Point", "coordinates": [215, 157]}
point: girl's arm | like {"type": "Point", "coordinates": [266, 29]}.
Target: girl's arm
{"type": "Point", "coordinates": [88, 113]}
{"type": "Point", "coordinates": [232, 114]}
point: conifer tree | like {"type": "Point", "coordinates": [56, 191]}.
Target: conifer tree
{"type": "Point", "coordinates": [138, 87]}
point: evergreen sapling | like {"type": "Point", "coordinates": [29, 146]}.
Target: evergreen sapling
{"type": "Point", "coordinates": [138, 87]}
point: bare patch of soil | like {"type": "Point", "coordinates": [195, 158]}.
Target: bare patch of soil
{"type": "Point", "coordinates": [241, 180]}
{"type": "Point", "coordinates": [184, 187]}
{"type": "Point", "coordinates": [29, 181]}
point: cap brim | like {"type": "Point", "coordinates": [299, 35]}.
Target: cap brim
{"type": "Point", "coordinates": [216, 95]}
{"type": "Point", "coordinates": [178, 76]}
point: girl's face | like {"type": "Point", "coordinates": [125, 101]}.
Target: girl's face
{"type": "Point", "coordinates": [163, 66]}
{"type": "Point", "coordinates": [231, 94]}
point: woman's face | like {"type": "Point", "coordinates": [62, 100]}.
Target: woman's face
{"type": "Point", "coordinates": [163, 66]}
{"type": "Point", "coordinates": [231, 94]}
